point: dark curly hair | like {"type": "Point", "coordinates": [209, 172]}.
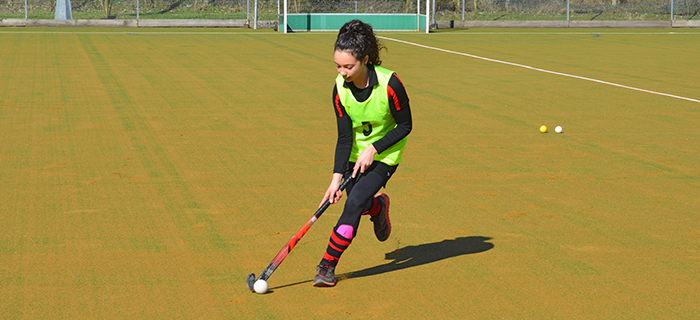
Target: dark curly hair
{"type": "Point", "coordinates": [359, 38]}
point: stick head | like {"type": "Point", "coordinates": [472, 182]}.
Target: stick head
{"type": "Point", "coordinates": [251, 281]}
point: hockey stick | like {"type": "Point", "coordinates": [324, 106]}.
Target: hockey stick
{"type": "Point", "coordinates": [292, 242]}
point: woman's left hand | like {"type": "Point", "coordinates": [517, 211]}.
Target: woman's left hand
{"type": "Point", "coordinates": [364, 160]}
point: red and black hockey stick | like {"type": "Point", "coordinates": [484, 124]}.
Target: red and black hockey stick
{"type": "Point", "coordinates": [292, 242]}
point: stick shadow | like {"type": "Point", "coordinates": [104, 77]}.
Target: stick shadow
{"type": "Point", "coordinates": [413, 256]}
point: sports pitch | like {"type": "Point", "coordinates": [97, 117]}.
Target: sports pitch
{"type": "Point", "coordinates": [145, 173]}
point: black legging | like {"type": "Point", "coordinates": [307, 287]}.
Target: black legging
{"type": "Point", "coordinates": [361, 190]}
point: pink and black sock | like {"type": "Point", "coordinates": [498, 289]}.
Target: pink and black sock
{"type": "Point", "coordinates": [373, 208]}
{"type": "Point", "coordinates": [338, 243]}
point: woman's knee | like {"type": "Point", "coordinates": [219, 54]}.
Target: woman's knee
{"type": "Point", "coordinates": [355, 204]}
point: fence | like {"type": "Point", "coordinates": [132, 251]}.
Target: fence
{"type": "Point", "coordinates": [643, 10]}
{"type": "Point", "coordinates": [601, 10]}
{"type": "Point", "coordinates": [142, 9]}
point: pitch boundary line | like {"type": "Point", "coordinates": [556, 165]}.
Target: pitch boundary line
{"type": "Point", "coordinates": [542, 70]}
{"type": "Point", "coordinates": [568, 32]}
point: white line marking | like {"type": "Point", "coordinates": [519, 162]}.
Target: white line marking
{"type": "Point", "coordinates": [570, 32]}
{"type": "Point", "coordinates": [542, 70]}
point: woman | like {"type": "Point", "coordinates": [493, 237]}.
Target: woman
{"type": "Point", "coordinates": [373, 116]}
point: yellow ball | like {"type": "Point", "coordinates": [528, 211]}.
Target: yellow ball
{"type": "Point", "coordinates": [543, 129]}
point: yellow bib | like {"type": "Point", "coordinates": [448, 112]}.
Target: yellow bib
{"type": "Point", "coordinates": [372, 118]}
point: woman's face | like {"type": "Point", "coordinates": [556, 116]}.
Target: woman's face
{"type": "Point", "coordinates": [349, 67]}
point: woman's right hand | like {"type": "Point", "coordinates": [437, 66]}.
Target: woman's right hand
{"type": "Point", "coordinates": [332, 193]}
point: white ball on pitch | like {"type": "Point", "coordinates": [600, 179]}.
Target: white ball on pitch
{"type": "Point", "coordinates": [260, 286]}
{"type": "Point", "coordinates": [558, 129]}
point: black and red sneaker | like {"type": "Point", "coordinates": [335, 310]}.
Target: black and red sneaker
{"type": "Point", "coordinates": [325, 275]}
{"type": "Point", "coordinates": [382, 224]}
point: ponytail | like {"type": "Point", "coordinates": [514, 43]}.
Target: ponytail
{"type": "Point", "coordinates": [359, 38]}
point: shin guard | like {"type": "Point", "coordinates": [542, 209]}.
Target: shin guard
{"type": "Point", "coordinates": [337, 244]}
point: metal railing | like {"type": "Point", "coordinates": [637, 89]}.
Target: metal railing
{"type": "Point", "coordinates": [603, 10]}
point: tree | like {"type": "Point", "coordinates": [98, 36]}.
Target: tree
{"type": "Point", "coordinates": [107, 6]}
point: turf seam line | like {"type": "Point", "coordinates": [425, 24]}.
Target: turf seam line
{"type": "Point", "coordinates": [542, 70]}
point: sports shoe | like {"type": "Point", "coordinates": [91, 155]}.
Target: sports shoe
{"type": "Point", "coordinates": [382, 224]}
{"type": "Point", "coordinates": [325, 275]}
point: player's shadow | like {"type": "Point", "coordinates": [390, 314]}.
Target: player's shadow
{"type": "Point", "coordinates": [413, 256]}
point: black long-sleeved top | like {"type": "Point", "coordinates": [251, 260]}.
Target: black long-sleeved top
{"type": "Point", "coordinates": [398, 104]}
